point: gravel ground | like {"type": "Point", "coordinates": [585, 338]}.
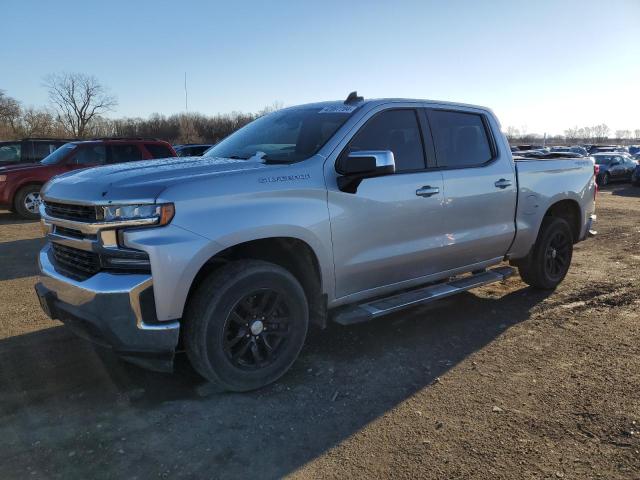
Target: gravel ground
{"type": "Point", "coordinates": [505, 382]}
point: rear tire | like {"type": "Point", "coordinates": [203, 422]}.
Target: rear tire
{"type": "Point", "coordinates": [27, 201]}
{"type": "Point", "coordinates": [246, 324]}
{"type": "Point", "coordinates": [549, 260]}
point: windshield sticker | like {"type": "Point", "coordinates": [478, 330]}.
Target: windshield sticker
{"type": "Point", "coordinates": [338, 109]}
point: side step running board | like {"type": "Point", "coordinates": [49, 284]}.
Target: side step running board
{"type": "Point", "coordinates": [383, 306]}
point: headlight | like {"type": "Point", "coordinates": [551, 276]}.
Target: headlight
{"type": "Point", "coordinates": [121, 213]}
{"type": "Point", "coordinates": [3, 178]}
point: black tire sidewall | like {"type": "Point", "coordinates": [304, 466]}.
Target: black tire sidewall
{"type": "Point", "coordinates": [606, 179]}
{"type": "Point", "coordinates": [217, 366]}
{"type": "Point", "coordinates": [550, 228]}
{"type": "Point", "coordinates": [19, 207]}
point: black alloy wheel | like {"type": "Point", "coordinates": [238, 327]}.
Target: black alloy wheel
{"type": "Point", "coordinates": [257, 329]}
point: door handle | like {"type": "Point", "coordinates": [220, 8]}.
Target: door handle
{"type": "Point", "coordinates": [427, 191]}
{"type": "Point", "coordinates": [503, 183]}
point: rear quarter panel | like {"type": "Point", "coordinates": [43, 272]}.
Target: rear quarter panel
{"type": "Point", "coordinates": [541, 184]}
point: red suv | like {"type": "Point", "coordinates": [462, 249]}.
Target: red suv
{"type": "Point", "coordinates": [20, 184]}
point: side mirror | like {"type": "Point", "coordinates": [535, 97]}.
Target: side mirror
{"type": "Point", "coordinates": [356, 166]}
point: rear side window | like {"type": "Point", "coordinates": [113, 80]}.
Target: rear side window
{"type": "Point", "coordinates": [10, 152]}
{"type": "Point", "coordinates": [460, 139]}
{"type": "Point", "coordinates": [395, 130]}
{"type": "Point", "coordinates": [124, 153]}
{"type": "Point", "coordinates": [91, 155]}
{"type": "Point", "coordinates": [158, 150]}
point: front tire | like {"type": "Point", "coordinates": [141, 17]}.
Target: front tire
{"type": "Point", "coordinates": [246, 324]}
{"type": "Point", "coordinates": [549, 261]}
{"type": "Point", "coordinates": [27, 201]}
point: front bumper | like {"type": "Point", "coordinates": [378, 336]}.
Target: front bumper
{"type": "Point", "coordinates": [112, 310]}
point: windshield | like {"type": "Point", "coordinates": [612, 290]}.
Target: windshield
{"type": "Point", "coordinates": [284, 136]}
{"type": "Point", "coordinates": [59, 154]}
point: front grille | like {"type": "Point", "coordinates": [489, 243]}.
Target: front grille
{"type": "Point", "coordinates": [73, 233]}
{"type": "Point", "coordinates": [68, 211]}
{"type": "Point", "coordinates": [79, 263]}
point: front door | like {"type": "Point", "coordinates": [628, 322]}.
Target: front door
{"type": "Point", "coordinates": [391, 229]}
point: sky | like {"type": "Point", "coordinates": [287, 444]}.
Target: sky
{"type": "Point", "coordinates": [542, 66]}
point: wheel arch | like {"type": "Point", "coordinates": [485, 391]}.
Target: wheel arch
{"type": "Point", "coordinates": [291, 253]}
{"type": "Point", "coordinates": [569, 210]}
{"type": "Point", "coordinates": [21, 185]}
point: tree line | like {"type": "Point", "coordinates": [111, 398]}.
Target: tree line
{"type": "Point", "coordinates": [78, 107]}
{"type": "Point", "coordinates": [595, 134]}
{"type": "Point", "coordinates": [79, 104]}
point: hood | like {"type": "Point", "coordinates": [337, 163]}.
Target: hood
{"type": "Point", "coordinates": [16, 167]}
{"type": "Point", "coordinates": [140, 181]}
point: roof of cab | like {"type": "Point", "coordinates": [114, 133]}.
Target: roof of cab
{"type": "Point", "coordinates": [382, 101]}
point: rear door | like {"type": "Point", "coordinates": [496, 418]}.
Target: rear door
{"type": "Point", "coordinates": [387, 232]}
{"type": "Point", "coordinates": [480, 188]}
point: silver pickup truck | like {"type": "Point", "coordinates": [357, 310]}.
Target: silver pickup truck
{"type": "Point", "coordinates": [335, 211]}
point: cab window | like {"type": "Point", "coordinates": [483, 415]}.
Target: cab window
{"type": "Point", "coordinates": [459, 138]}
{"type": "Point", "coordinates": [90, 155]}
{"type": "Point", "coordinates": [397, 131]}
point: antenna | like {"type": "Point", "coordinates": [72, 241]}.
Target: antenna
{"type": "Point", "coordinates": [353, 98]}
{"type": "Point", "coordinates": [186, 95]}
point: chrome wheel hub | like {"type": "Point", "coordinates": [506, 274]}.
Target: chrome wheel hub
{"type": "Point", "coordinates": [32, 202]}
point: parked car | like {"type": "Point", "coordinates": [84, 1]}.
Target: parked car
{"type": "Point", "coordinates": [528, 147]}
{"type": "Point", "coordinates": [635, 177]}
{"type": "Point", "coordinates": [607, 149]}
{"type": "Point", "coordinates": [335, 211]}
{"type": "Point", "coordinates": [541, 154]}
{"type": "Point", "coordinates": [574, 149]}
{"type": "Point", "coordinates": [20, 184]}
{"type": "Point", "coordinates": [192, 149]}
{"type": "Point", "coordinates": [28, 150]}
{"type": "Point", "coordinates": [614, 167]}
{"type": "Point", "coordinates": [634, 149]}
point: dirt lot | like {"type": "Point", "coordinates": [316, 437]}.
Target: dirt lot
{"type": "Point", "coordinates": [504, 382]}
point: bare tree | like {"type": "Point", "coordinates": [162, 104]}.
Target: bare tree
{"type": "Point", "coordinates": [78, 99]}
{"type": "Point", "coordinates": [512, 133]}
{"type": "Point", "coordinates": [572, 134]}
{"type": "Point", "coordinates": [623, 134]}
{"type": "Point", "coordinates": [274, 107]}
{"type": "Point", "coordinates": [40, 123]}
{"type": "Point", "coordinates": [10, 113]}
{"type": "Point", "coordinates": [636, 134]}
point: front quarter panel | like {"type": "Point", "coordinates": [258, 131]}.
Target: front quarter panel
{"type": "Point", "coordinates": [218, 213]}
